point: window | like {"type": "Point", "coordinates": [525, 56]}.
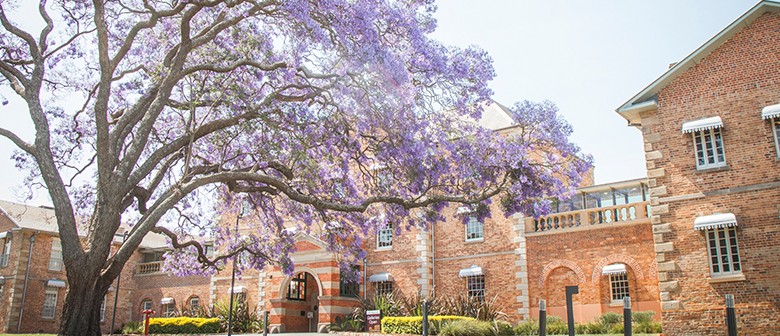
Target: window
{"type": "Point", "coordinates": [146, 304]}
{"type": "Point", "coordinates": [776, 132]}
{"type": "Point", "coordinates": [709, 148]}
{"type": "Point", "coordinates": [55, 260]}
{"type": "Point", "coordinates": [618, 286]}
{"type": "Point", "coordinates": [384, 287]}
{"type": "Point", "coordinates": [194, 305]}
{"type": "Point", "coordinates": [348, 287]}
{"type": "Point", "coordinates": [723, 251]}
{"type": "Point", "coordinates": [168, 307]}
{"type": "Point", "coordinates": [6, 252]}
{"type": "Point", "coordinates": [297, 289]}
{"type": "Point", "coordinates": [103, 309]}
{"type": "Point", "coordinates": [475, 230]}
{"type": "Point", "coordinates": [475, 286]}
{"type": "Point", "coordinates": [384, 237]}
{"type": "Point", "coordinates": [208, 250]}
{"type": "Point", "coordinates": [49, 303]}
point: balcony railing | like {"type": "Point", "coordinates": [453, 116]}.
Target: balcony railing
{"type": "Point", "coordinates": [4, 260]}
{"type": "Point", "coordinates": [587, 217]}
{"type": "Point", "coordinates": [149, 267]}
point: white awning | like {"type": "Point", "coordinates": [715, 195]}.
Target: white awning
{"type": "Point", "coordinates": [166, 301]}
{"type": "Point", "coordinates": [55, 283]}
{"type": "Point", "coordinates": [237, 289]}
{"type": "Point", "coordinates": [720, 220]}
{"type": "Point", "coordinates": [464, 209]}
{"type": "Point", "coordinates": [380, 277]}
{"type": "Point", "coordinates": [702, 124]}
{"type": "Point", "coordinates": [471, 271]}
{"type": "Point", "coordinates": [771, 111]}
{"type": "Point", "coordinates": [4, 234]}
{"type": "Point", "coordinates": [2, 280]}
{"type": "Point", "coordinates": [613, 269]}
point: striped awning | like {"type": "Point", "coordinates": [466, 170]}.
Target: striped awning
{"type": "Point", "coordinates": [771, 111]}
{"type": "Point", "coordinates": [2, 280]}
{"type": "Point", "coordinates": [471, 271]}
{"type": "Point", "coordinates": [55, 283]}
{"type": "Point", "coordinates": [702, 124]}
{"type": "Point", "coordinates": [166, 301]}
{"type": "Point", "coordinates": [613, 269]}
{"type": "Point", "coordinates": [714, 221]}
{"type": "Point", "coordinates": [380, 277]}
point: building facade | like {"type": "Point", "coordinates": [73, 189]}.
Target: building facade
{"type": "Point", "coordinates": [599, 240]}
{"type": "Point", "coordinates": [711, 126]}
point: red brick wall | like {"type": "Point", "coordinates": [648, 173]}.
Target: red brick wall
{"type": "Point", "coordinates": [734, 82]}
{"type": "Point", "coordinates": [576, 258]}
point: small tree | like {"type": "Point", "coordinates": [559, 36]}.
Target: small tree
{"type": "Point", "coordinates": [338, 113]}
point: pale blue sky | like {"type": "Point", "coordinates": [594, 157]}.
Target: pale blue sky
{"type": "Point", "coordinates": [589, 57]}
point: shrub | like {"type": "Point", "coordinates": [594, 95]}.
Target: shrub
{"type": "Point", "coordinates": [244, 318]}
{"type": "Point", "coordinates": [501, 328]}
{"type": "Point", "coordinates": [413, 324]}
{"type": "Point", "coordinates": [610, 319]}
{"type": "Point", "coordinates": [467, 328]}
{"type": "Point", "coordinates": [642, 317]}
{"type": "Point", "coordinates": [527, 328]}
{"type": "Point", "coordinates": [617, 328]}
{"type": "Point", "coordinates": [183, 325]}
{"type": "Point", "coordinates": [346, 323]}
{"type": "Point", "coordinates": [464, 305]}
{"type": "Point", "coordinates": [592, 328]}
{"type": "Point", "coordinates": [133, 327]}
{"type": "Point", "coordinates": [647, 327]}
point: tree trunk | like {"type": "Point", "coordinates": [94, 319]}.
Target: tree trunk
{"type": "Point", "coordinates": [81, 312]}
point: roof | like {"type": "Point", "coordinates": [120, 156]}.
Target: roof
{"type": "Point", "coordinates": [645, 99]}
{"type": "Point", "coordinates": [41, 218]}
{"type": "Point", "coordinates": [496, 116]}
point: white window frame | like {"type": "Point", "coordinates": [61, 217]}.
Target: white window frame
{"type": "Point", "coordinates": [477, 228]}
{"type": "Point", "coordinates": [715, 139]}
{"type": "Point", "coordinates": [193, 307]}
{"type": "Point", "coordinates": [776, 133]}
{"type": "Point", "coordinates": [619, 287]}
{"type": "Point", "coordinates": [55, 259]}
{"type": "Point", "coordinates": [475, 286]}
{"type": "Point", "coordinates": [6, 253]}
{"type": "Point", "coordinates": [383, 287]}
{"type": "Point", "coordinates": [144, 305]}
{"type": "Point", "coordinates": [384, 238]}
{"type": "Point", "coordinates": [715, 245]}
{"type": "Point", "coordinates": [49, 309]}
{"type": "Point", "coordinates": [169, 309]}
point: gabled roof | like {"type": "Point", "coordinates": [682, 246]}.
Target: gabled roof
{"type": "Point", "coordinates": [42, 218]}
{"type": "Point", "coordinates": [646, 99]}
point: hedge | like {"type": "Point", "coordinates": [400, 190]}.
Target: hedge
{"type": "Point", "coordinates": [413, 324]}
{"type": "Point", "coordinates": [183, 325]}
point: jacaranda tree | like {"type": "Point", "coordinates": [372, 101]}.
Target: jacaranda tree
{"type": "Point", "coordinates": [331, 116]}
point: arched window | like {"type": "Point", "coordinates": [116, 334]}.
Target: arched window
{"type": "Point", "coordinates": [146, 304]}
{"type": "Point", "coordinates": [194, 305]}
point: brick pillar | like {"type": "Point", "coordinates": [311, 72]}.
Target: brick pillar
{"type": "Point", "coordinates": [425, 260]}
{"type": "Point", "coordinates": [521, 264]}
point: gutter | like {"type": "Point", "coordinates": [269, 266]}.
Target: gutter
{"type": "Point", "coordinates": [26, 278]}
{"type": "Point", "coordinates": [433, 258]}
{"type": "Point", "coordinates": [631, 112]}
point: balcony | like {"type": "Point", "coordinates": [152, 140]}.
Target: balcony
{"type": "Point", "coordinates": [148, 267]}
{"type": "Point", "coordinates": [588, 218]}
{"type": "Point", "coordinates": [4, 260]}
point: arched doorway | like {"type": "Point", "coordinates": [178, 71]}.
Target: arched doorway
{"type": "Point", "coordinates": [300, 302]}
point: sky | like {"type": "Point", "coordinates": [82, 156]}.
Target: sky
{"type": "Point", "coordinates": [589, 57]}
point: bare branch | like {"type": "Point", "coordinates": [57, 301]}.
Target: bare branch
{"type": "Point", "coordinates": [23, 145]}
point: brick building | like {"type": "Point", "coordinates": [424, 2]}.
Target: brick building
{"type": "Point", "coordinates": [600, 240]}
{"type": "Point", "coordinates": [711, 126]}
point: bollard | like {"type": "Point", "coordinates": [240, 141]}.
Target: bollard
{"type": "Point", "coordinates": [146, 313]}
{"type": "Point", "coordinates": [265, 323]}
{"type": "Point", "coordinates": [731, 315]}
{"type": "Point", "coordinates": [542, 318]}
{"type": "Point", "coordinates": [627, 316]}
{"type": "Point", "coordinates": [425, 318]}
{"type": "Point", "coordinates": [570, 290]}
